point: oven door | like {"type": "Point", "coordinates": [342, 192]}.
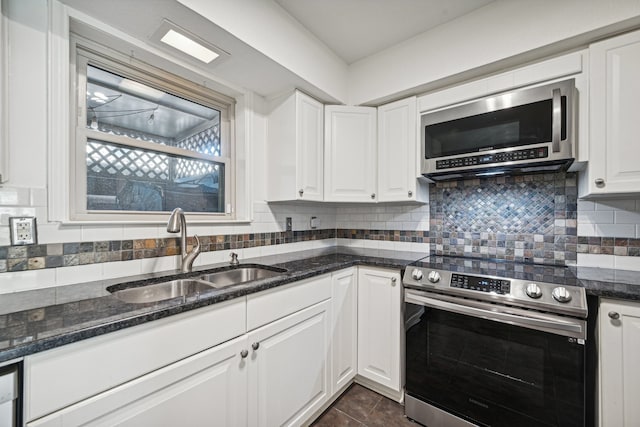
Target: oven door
{"type": "Point", "coordinates": [493, 368]}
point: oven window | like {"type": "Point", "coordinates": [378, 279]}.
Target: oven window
{"type": "Point", "coordinates": [492, 373]}
{"type": "Point", "coordinates": [510, 127]}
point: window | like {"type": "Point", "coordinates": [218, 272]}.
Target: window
{"type": "Point", "coordinates": [147, 142]}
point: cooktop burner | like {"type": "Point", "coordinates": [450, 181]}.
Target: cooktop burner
{"type": "Point", "coordinates": [546, 288]}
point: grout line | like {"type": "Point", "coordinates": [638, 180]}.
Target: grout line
{"type": "Point", "coordinates": [354, 419]}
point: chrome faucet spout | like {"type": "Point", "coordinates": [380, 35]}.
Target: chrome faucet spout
{"type": "Point", "coordinates": [178, 224]}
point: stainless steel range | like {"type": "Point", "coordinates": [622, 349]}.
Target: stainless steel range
{"type": "Point", "coordinates": [494, 344]}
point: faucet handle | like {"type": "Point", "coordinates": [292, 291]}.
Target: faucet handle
{"type": "Point", "coordinates": [234, 259]}
{"type": "Point", "coordinates": [196, 249]}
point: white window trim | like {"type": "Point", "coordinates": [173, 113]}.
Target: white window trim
{"type": "Point", "coordinates": [61, 84]}
{"type": "Point", "coordinates": [85, 52]}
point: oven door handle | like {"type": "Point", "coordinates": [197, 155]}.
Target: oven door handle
{"type": "Point", "coordinates": [558, 326]}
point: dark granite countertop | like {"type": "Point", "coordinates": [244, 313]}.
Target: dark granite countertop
{"type": "Point", "coordinates": [39, 320]}
{"type": "Point", "coordinates": [609, 283]}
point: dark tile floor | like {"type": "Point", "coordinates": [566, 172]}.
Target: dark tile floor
{"type": "Point", "coordinates": [359, 406]}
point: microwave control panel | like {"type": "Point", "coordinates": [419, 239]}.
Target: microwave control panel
{"type": "Point", "coordinates": [503, 157]}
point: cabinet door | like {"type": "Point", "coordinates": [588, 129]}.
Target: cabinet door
{"type": "Point", "coordinates": [619, 372]}
{"type": "Point", "coordinates": [344, 328]}
{"type": "Point", "coordinates": [379, 326]}
{"type": "Point", "coordinates": [309, 148]}
{"type": "Point", "coordinates": [614, 93]}
{"type": "Point", "coordinates": [350, 154]}
{"type": "Point", "coordinates": [209, 388]}
{"type": "Point", "coordinates": [295, 148]}
{"type": "Point", "coordinates": [397, 151]}
{"type": "Point", "coordinates": [288, 372]}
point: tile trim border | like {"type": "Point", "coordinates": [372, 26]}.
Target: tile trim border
{"type": "Point", "coordinates": [56, 255]}
{"type": "Point", "coordinates": [511, 247]}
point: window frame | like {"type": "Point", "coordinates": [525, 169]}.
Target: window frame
{"type": "Point", "coordinates": [84, 52]}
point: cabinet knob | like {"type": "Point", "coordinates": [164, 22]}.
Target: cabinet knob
{"type": "Point", "coordinates": [244, 353]}
{"type": "Point", "coordinates": [393, 281]}
{"type": "Point", "coordinates": [614, 315]}
{"type": "Point", "coordinates": [410, 193]}
{"type": "Point", "coordinates": [599, 182]}
{"type": "Point", "coordinates": [301, 191]}
{"type": "Point", "coordinates": [255, 345]}
{"type": "Point", "coordinates": [373, 195]}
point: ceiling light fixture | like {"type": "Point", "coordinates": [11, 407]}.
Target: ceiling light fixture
{"type": "Point", "coordinates": [183, 42]}
{"type": "Point", "coordinates": [188, 46]}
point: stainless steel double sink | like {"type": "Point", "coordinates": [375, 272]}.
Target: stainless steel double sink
{"type": "Point", "coordinates": [195, 285]}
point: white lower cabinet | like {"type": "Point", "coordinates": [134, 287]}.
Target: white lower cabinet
{"type": "Point", "coordinates": [209, 388]}
{"type": "Point", "coordinates": [273, 358]}
{"type": "Point", "coordinates": [344, 328]}
{"type": "Point", "coordinates": [379, 327]}
{"type": "Point", "coordinates": [289, 370]}
{"type": "Point", "coordinates": [619, 372]}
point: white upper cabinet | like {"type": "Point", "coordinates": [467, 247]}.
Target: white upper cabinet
{"type": "Point", "coordinates": [295, 149]}
{"type": "Point", "coordinates": [614, 126]}
{"type": "Point", "coordinates": [350, 154]}
{"type": "Point", "coordinates": [398, 153]}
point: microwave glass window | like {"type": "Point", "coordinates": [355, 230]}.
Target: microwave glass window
{"type": "Point", "coordinates": [511, 127]}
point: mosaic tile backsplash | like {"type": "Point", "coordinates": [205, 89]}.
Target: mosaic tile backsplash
{"type": "Point", "coordinates": [528, 218]}
{"type": "Point", "coordinates": [35, 257]}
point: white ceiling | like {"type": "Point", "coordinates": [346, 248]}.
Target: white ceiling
{"type": "Point", "coordinates": [355, 29]}
{"type": "Point", "coordinates": [352, 29]}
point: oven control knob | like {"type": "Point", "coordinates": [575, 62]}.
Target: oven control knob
{"type": "Point", "coordinates": [561, 294]}
{"type": "Point", "coordinates": [533, 290]}
{"type": "Point", "coordinates": [416, 274]}
{"type": "Point", "coordinates": [434, 277]}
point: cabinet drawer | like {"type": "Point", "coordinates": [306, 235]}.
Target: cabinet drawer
{"type": "Point", "coordinates": [65, 375]}
{"type": "Point", "coordinates": [265, 307]}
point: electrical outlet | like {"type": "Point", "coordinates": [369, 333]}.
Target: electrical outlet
{"type": "Point", "coordinates": [315, 222]}
{"type": "Point", "coordinates": [289, 224]}
{"type": "Point", "coordinates": [23, 230]}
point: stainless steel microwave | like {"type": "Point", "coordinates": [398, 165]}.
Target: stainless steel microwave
{"type": "Point", "coordinates": [524, 131]}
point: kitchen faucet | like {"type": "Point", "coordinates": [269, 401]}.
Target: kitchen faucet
{"type": "Point", "coordinates": [177, 223]}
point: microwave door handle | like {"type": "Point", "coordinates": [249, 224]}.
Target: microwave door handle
{"type": "Point", "coordinates": [556, 127]}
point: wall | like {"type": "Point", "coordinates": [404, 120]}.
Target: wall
{"type": "Point", "coordinates": [489, 35]}
{"type": "Point", "coordinates": [266, 27]}
{"type": "Point", "coordinates": [74, 253]}
{"type": "Point", "coordinates": [609, 233]}
{"type": "Point", "coordinates": [534, 218]}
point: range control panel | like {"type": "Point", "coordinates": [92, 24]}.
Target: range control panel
{"type": "Point", "coordinates": [484, 159]}
{"type": "Point", "coordinates": [483, 284]}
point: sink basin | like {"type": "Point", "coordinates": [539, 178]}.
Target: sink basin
{"type": "Point", "coordinates": [162, 291]}
{"type": "Point", "coordinates": [239, 275]}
